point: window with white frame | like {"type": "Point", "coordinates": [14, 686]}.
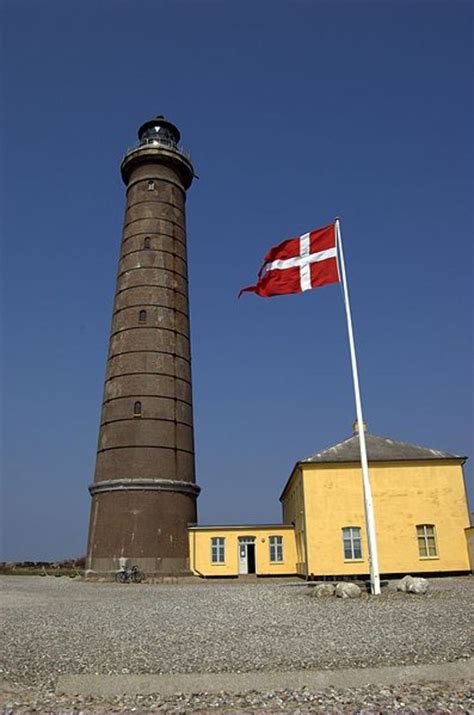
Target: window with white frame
{"type": "Point", "coordinates": [426, 541]}
{"type": "Point", "coordinates": [351, 542]}
{"type": "Point", "coordinates": [217, 549]}
{"type": "Point", "coordinates": [276, 548]}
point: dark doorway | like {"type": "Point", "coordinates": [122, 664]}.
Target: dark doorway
{"type": "Point", "coordinates": [251, 558]}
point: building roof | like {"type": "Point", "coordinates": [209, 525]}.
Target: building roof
{"type": "Point", "coordinates": [245, 527]}
{"type": "Point", "coordinates": [379, 449]}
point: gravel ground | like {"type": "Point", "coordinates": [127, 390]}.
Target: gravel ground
{"type": "Point", "coordinates": [429, 697]}
{"type": "Point", "coordinates": [54, 626]}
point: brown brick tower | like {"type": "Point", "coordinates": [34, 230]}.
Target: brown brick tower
{"type": "Point", "coordinates": [144, 491]}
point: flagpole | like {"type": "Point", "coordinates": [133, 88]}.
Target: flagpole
{"type": "Point", "coordinates": [369, 507]}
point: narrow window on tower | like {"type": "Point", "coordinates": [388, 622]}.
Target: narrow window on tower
{"type": "Point", "coordinates": [137, 409]}
{"type": "Point", "coordinates": [142, 316]}
{"type": "Point", "coordinates": [151, 186]}
{"type": "Point", "coordinates": [146, 243]}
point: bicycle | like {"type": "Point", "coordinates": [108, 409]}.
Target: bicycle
{"type": "Point", "coordinates": [129, 575]}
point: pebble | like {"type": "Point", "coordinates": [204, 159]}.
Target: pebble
{"type": "Point", "coordinates": [420, 698]}
{"type": "Point", "coordinates": [56, 626]}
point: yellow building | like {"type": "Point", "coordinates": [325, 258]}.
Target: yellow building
{"type": "Point", "coordinates": [264, 549]}
{"type": "Point", "coordinates": [420, 506]}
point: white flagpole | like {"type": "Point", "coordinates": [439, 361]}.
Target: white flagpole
{"type": "Point", "coordinates": [369, 507]}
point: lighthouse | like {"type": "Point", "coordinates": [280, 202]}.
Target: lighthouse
{"type": "Point", "coordinates": [144, 491]}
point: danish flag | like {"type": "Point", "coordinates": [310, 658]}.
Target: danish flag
{"type": "Point", "coordinates": [298, 264]}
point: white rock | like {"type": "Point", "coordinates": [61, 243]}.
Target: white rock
{"type": "Point", "coordinates": [348, 590]}
{"type": "Point", "coordinates": [419, 585]}
{"type": "Point", "coordinates": [410, 584]}
{"type": "Point", "coordinates": [402, 585]}
{"type": "Point", "coordinates": [322, 590]}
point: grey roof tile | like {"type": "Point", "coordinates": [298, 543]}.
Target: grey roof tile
{"type": "Point", "coordinates": [379, 449]}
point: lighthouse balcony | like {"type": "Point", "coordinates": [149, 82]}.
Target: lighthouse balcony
{"type": "Point", "coordinates": [159, 143]}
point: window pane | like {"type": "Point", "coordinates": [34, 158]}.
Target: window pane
{"type": "Point", "coordinates": [351, 542]}
{"type": "Point", "coordinates": [426, 540]}
{"type": "Point", "coordinates": [422, 547]}
{"type": "Point", "coordinates": [217, 550]}
{"type": "Point", "coordinates": [276, 548]}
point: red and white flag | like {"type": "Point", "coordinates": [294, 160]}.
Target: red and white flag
{"type": "Point", "coordinates": [298, 264]}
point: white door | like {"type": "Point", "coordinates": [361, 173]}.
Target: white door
{"type": "Point", "coordinates": [243, 564]}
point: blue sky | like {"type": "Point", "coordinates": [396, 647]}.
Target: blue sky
{"type": "Point", "coordinates": [294, 112]}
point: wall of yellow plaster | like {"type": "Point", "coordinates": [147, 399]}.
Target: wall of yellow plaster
{"type": "Point", "coordinates": [470, 545]}
{"type": "Point", "coordinates": [200, 551]}
{"type": "Point", "coordinates": [293, 513]}
{"type": "Point", "coordinates": [404, 495]}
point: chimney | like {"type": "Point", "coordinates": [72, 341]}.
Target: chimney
{"type": "Point", "coordinates": [355, 427]}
